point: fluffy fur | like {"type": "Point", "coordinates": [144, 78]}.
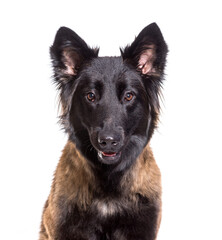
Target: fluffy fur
{"type": "Point", "coordinates": [107, 184]}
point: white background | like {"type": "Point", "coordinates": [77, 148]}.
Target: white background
{"type": "Point", "coordinates": [187, 145]}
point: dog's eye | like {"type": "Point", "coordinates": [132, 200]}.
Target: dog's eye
{"type": "Point", "coordinates": [91, 97]}
{"type": "Point", "coordinates": [128, 96]}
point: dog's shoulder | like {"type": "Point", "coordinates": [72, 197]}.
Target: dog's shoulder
{"type": "Point", "coordinates": [74, 178]}
{"type": "Point", "coordinates": [144, 176]}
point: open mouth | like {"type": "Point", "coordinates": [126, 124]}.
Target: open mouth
{"type": "Point", "coordinates": [109, 157]}
{"type": "Point", "coordinates": [109, 154]}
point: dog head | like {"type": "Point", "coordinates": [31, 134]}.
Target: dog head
{"type": "Point", "coordinates": [110, 105]}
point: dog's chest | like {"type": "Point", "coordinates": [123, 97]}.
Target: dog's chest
{"type": "Point", "coordinates": [108, 208]}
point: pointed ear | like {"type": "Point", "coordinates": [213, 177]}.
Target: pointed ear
{"type": "Point", "coordinates": [68, 53]}
{"type": "Point", "coordinates": [148, 51]}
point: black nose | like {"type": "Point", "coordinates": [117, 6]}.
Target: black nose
{"type": "Point", "coordinates": [109, 142]}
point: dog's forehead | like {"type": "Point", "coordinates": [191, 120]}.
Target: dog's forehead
{"type": "Point", "coordinates": [107, 65]}
{"type": "Point", "coordinates": [111, 69]}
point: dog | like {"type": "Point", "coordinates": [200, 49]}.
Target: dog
{"type": "Point", "coordinates": [107, 184]}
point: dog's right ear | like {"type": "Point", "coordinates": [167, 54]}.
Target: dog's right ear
{"type": "Point", "coordinates": [68, 53]}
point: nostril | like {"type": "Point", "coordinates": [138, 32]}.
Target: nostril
{"type": "Point", "coordinates": [103, 143]}
{"type": "Point", "coordinates": [114, 143]}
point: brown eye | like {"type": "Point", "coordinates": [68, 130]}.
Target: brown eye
{"type": "Point", "coordinates": [91, 97]}
{"type": "Point", "coordinates": [128, 97]}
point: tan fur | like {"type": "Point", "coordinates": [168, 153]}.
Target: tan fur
{"type": "Point", "coordinates": [144, 176]}
{"type": "Point", "coordinates": [145, 179]}
{"type": "Point", "coordinates": [75, 180]}
{"type": "Point", "coordinates": [74, 177]}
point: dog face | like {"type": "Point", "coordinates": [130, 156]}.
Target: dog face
{"type": "Point", "coordinates": [110, 104]}
{"type": "Point", "coordinates": [112, 107]}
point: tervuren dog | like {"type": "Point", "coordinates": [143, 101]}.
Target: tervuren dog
{"type": "Point", "coordinates": [107, 184]}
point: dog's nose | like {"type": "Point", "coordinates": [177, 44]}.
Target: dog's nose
{"type": "Point", "coordinates": [108, 141]}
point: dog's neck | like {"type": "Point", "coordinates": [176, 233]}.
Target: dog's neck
{"type": "Point", "coordinates": [84, 178]}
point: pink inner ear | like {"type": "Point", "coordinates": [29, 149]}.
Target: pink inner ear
{"type": "Point", "coordinates": [146, 60]}
{"type": "Point", "coordinates": [70, 59]}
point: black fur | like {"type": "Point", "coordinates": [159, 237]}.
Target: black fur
{"type": "Point", "coordinates": [138, 224]}
{"type": "Point", "coordinates": [108, 127]}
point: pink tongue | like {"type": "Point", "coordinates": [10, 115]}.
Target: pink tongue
{"type": "Point", "coordinates": [108, 154]}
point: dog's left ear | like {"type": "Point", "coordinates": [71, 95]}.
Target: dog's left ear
{"type": "Point", "coordinates": [148, 51]}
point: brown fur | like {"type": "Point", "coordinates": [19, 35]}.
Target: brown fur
{"type": "Point", "coordinates": [75, 180]}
